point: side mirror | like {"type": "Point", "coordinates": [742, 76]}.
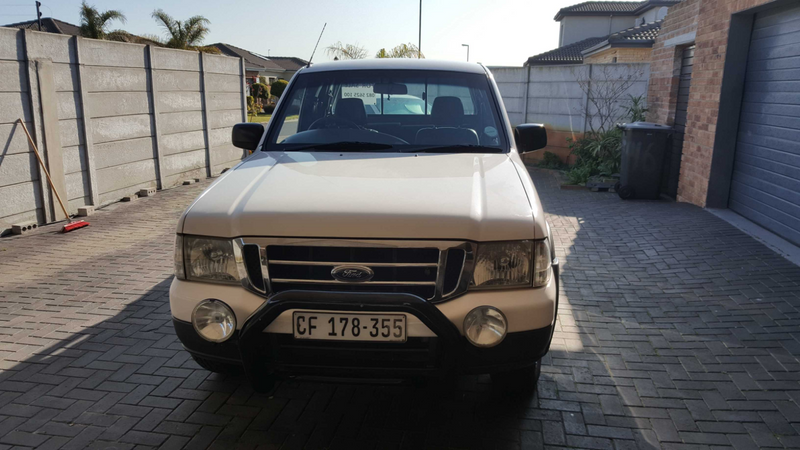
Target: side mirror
{"type": "Point", "coordinates": [530, 137]}
{"type": "Point", "coordinates": [247, 135]}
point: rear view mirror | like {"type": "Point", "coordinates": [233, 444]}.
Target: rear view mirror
{"type": "Point", "coordinates": [390, 88]}
{"type": "Point", "coordinates": [530, 137]}
{"type": "Point", "coordinates": [247, 135]}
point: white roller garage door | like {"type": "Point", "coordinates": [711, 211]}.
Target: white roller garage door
{"type": "Point", "coordinates": [765, 186]}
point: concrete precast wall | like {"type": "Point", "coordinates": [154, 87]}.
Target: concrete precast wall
{"type": "Point", "coordinates": [553, 95]}
{"type": "Point", "coordinates": [109, 119]}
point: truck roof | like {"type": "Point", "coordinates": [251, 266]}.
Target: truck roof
{"type": "Point", "coordinates": [396, 64]}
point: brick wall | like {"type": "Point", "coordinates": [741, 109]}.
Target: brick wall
{"type": "Point", "coordinates": [623, 55]}
{"type": "Point", "coordinates": [710, 19]}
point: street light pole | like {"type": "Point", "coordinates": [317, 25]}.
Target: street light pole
{"type": "Point", "coordinates": [466, 45]}
{"type": "Point", "coordinates": [419, 45]}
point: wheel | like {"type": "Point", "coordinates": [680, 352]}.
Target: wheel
{"type": "Point", "coordinates": [626, 192]}
{"type": "Point", "coordinates": [518, 381]}
{"type": "Point", "coordinates": [617, 186]}
{"type": "Point", "coordinates": [218, 367]}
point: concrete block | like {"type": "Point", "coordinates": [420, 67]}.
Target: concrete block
{"type": "Point", "coordinates": [19, 228]}
{"type": "Point", "coordinates": [85, 211]}
{"type": "Point", "coordinates": [130, 198]}
{"type": "Point", "coordinates": [149, 192]}
{"type": "Point", "coordinates": [188, 182]}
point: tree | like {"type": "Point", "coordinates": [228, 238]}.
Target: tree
{"type": "Point", "coordinates": [605, 91]}
{"type": "Point", "coordinates": [185, 35]}
{"type": "Point", "coordinates": [401, 51]}
{"type": "Point", "coordinates": [277, 87]}
{"type": "Point", "coordinates": [259, 91]}
{"type": "Point", "coordinates": [346, 51]}
{"type": "Point", "coordinates": [94, 24]}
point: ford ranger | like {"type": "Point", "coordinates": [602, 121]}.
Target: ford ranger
{"type": "Point", "coordinates": [384, 226]}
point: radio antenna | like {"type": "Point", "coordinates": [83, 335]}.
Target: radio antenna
{"type": "Point", "coordinates": [315, 47]}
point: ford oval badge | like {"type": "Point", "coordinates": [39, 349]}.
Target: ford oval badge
{"type": "Point", "coordinates": [352, 273]}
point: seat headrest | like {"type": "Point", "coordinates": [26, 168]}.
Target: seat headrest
{"type": "Point", "coordinates": [351, 109]}
{"type": "Point", "coordinates": [447, 111]}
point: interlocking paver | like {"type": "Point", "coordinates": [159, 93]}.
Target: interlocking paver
{"type": "Point", "coordinates": [675, 330]}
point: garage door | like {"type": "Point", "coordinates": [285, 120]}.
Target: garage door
{"type": "Point", "coordinates": [765, 186]}
{"type": "Point", "coordinates": [672, 159]}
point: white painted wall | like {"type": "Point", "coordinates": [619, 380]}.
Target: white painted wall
{"type": "Point", "coordinates": [578, 28]}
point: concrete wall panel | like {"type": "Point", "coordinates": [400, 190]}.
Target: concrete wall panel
{"type": "Point", "coordinates": [225, 101]}
{"type": "Point", "coordinates": [55, 47]}
{"type": "Point", "coordinates": [68, 105]}
{"type": "Point", "coordinates": [76, 187]}
{"type": "Point", "coordinates": [220, 136]}
{"type": "Point", "coordinates": [183, 142]}
{"type": "Point", "coordinates": [117, 179]}
{"type": "Point", "coordinates": [19, 198]}
{"type": "Point", "coordinates": [112, 54]}
{"type": "Point", "coordinates": [65, 77]}
{"type": "Point", "coordinates": [14, 106]}
{"type": "Point", "coordinates": [167, 58]}
{"type": "Point", "coordinates": [184, 162]}
{"type": "Point", "coordinates": [180, 121]}
{"type": "Point", "coordinates": [105, 104]}
{"type": "Point", "coordinates": [220, 119]}
{"type": "Point", "coordinates": [221, 64]}
{"type": "Point", "coordinates": [109, 79]}
{"type": "Point", "coordinates": [179, 101]}
{"type": "Point", "coordinates": [13, 76]}
{"type": "Point", "coordinates": [123, 152]}
{"type": "Point", "coordinates": [222, 83]}
{"type": "Point", "coordinates": [74, 159]}
{"type": "Point", "coordinates": [107, 129]}
{"type": "Point", "coordinates": [172, 80]}
{"type": "Point", "coordinates": [70, 132]}
{"type": "Point", "coordinates": [18, 168]}
{"type": "Point", "coordinates": [13, 139]}
{"type": "Point", "coordinates": [11, 45]}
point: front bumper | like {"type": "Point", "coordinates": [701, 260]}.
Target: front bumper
{"type": "Point", "coordinates": [262, 353]}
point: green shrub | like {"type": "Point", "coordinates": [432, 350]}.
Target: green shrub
{"type": "Point", "coordinates": [269, 109]}
{"type": "Point", "coordinates": [551, 161]}
{"type": "Point", "coordinates": [259, 90]}
{"type": "Point", "coordinates": [253, 108]}
{"type": "Point", "coordinates": [278, 86]}
{"type": "Point", "coordinates": [596, 154]}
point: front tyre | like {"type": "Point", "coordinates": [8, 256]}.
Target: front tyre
{"type": "Point", "coordinates": [218, 367]}
{"type": "Point", "coordinates": [518, 381]}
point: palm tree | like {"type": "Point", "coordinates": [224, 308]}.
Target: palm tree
{"type": "Point", "coordinates": [346, 51]}
{"type": "Point", "coordinates": [186, 35]}
{"type": "Point", "coordinates": [94, 24]}
{"type": "Point", "coordinates": [401, 51]}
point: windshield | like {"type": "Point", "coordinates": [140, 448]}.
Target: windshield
{"type": "Point", "coordinates": [388, 111]}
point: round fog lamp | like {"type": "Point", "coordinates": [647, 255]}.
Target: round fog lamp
{"type": "Point", "coordinates": [213, 320]}
{"type": "Point", "coordinates": [485, 326]}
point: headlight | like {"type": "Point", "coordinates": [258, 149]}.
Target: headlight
{"type": "Point", "coordinates": [213, 320]}
{"type": "Point", "coordinates": [503, 264]}
{"type": "Point", "coordinates": [211, 260]}
{"type": "Point", "coordinates": [180, 273]}
{"type": "Point", "coordinates": [542, 261]}
{"type": "Point", "coordinates": [485, 326]}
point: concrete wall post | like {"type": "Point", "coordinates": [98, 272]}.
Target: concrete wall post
{"type": "Point", "coordinates": [52, 140]}
{"type": "Point", "coordinates": [206, 123]}
{"type": "Point", "coordinates": [153, 98]}
{"type": "Point", "coordinates": [91, 169]}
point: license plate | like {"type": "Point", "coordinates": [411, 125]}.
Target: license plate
{"type": "Point", "coordinates": [349, 326]}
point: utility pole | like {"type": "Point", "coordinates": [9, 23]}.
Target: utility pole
{"type": "Point", "coordinates": [466, 45]}
{"type": "Point", "coordinates": [39, 14]}
{"type": "Point", "coordinates": [419, 45]}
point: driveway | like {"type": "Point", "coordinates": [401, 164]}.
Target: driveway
{"type": "Point", "coordinates": [675, 330]}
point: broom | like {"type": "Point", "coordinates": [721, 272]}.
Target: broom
{"type": "Point", "coordinates": [71, 224]}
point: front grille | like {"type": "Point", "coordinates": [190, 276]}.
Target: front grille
{"type": "Point", "coordinates": [396, 269]}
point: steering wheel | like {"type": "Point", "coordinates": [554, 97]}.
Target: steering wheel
{"type": "Point", "coordinates": [328, 122]}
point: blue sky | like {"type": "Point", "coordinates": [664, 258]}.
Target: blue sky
{"type": "Point", "coordinates": [500, 32]}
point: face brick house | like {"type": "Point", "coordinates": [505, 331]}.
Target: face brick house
{"type": "Point", "coordinates": [726, 74]}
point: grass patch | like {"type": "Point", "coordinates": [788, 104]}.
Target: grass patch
{"type": "Point", "coordinates": [264, 118]}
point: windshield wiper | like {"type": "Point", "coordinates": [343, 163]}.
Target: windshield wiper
{"type": "Point", "coordinates": [457, 149]}
{"type": "Point", "coordinates": [350, 146]}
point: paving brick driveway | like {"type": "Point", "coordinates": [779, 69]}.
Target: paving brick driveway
{"type": "Point", "coordinates": [675, 331]}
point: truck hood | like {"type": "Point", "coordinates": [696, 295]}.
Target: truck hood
{"type": "Point", "coordinates": [478, 197]}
